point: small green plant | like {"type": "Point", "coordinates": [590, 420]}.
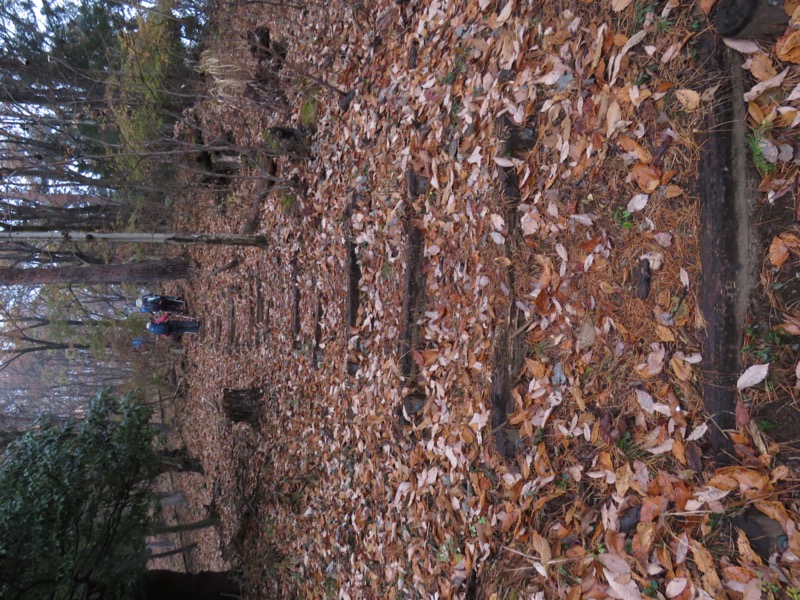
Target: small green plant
{"type": "Point", "coordinates": [270, 141]}
{"type": "Point", "coordinates": [287, 204]}
{"type": "Point", "coordinates": [793, 593]}
{"type": "Point", "coordinates": [629, 448]}
{"type": "Point", "coordinates": [765, 346]}
{"type": "Point", "coordinates": [455, 108]}
{"type": "Point", "coordinates": [538, 436]}
{"type": "Point", "coordinates": [664, 25]}
{"type": "Point", "coordinates": [598, 549]}
{"type": "Point", "coordinates": [754, 140]}
{"type": "Point", "coordinates": [640, 12]}
{"type": "Point", "coordinates": [766, 425]}
{"type": "Point", "coordinates": [445, 551]}
{"type": "Point", "coordinates": [459, 66]}
{"type": "Point", "coordinates": [331, 589]}
{"type": "Point", "coordinates": [623, 217]}
{"type": "Point", "coordinates": [269, 527]}
{"type": "Point", "coordinates": [309, 111]}
{"type": "Point", "coordinates": [651, 590]}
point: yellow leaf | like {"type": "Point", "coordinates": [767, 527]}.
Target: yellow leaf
{"type": "Point", "coordinates": [681, 369]}
{"type": "Point", "coordinates": [664, 334]}
{"type": "Point", "coordinates": [672, 191]}
{"type": "Point", "coordinates": [761, 67]}
{"type": "Point", "coordinates": [754, 110]}
{"type": "Point", "coordinates": [745, 550]}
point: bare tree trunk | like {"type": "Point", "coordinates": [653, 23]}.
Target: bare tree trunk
{"type": "Point", "coordinates": [166, 553]}
{"type": "Point", "coordinates": [211, 521]}
{"type": "Point", "coordinates": [179, 239]}
{"type": "Point", "coordinates": [156, 270]}
{"type": "Point", "coordinates": [179, 460]}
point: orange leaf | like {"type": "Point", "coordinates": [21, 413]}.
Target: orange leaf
{"type": "Point", "coordinates": [647, 177]}
{"type": "Point", "coordinates": [631, 145]}
{"type": "Point", "coordinates": [788, 47]}
{"type": "Point", "coordinates": [707, 5]}
{"type": "Point", "coordinates": [778, 252]}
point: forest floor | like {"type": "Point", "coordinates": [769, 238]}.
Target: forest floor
{"type": "Point", "coordinates": [477, 324]}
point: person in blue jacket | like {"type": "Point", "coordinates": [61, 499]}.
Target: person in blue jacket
{"type": "Point", "coordinates": [166, 326]}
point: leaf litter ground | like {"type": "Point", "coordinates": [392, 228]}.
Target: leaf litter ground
{"type": "Point", "coordinates": [370, 475]}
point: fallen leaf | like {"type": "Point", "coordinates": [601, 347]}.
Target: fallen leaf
{"type": "Point", "coordinates": [664, 334]}
{"type": "Point", "coordinates": [681, 369]}
{"type": "Point", "coordinates": [707, 5]}
{"type": "Point", "coordinates": [689, 99]}
{"type": "Point", "coordinates": [662, 448]}
{"type": "Point", "coordinates": [655, 361]}
{"type": "Point", "coordinates": [506, 12]}
{"type": "Point", "coordinates": [638, 202]}
{"type": "Point", "coordinates": [698, 432]}
{"type": "Point", "coordinates": [503, 161]}
{"type": "Point", "coordinates": [778, 252]}
{"type": "Point", "coordinates": [475, 158]}
{"type": "Point", "coordinates": [645, 401]}
{"type": "Point", "coordinates": [647, 177]}
{"type": "Point", "coordinates": [529, 224]}
{"type": "Point", "coordinates": [684, 276]}
{"type": "Point", "coordinates": [619, 5]}
{"type": "Point", "coordinates": [676, 586]}
{"type": "Point", "coordinates": [788, 47]}
{"type": "Point", "coordinates": [672, 191]}
{"type": "Point", "coordinates": [663, 239]}
{"type": "Point", "coordinates": [762, 87]}
{"type": "Point", "coordinates": [752, 376]}
{"type": "Point", "coordinates": [761, 67]}
{"type": "Point", "coordinates": [743, 46]}
{"type": "Point", "coordinates": [558, 70]}
{"type": "Point", "coordinates": [612, 118]}
{"type": "Point", "coordinates": [634, 147]}
{"type": "Point", "coordinates": [742, 415]}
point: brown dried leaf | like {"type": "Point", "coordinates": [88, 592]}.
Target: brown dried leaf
{"type": "Point", "coordinates": [778, 252]}
{"type": "Point", "coordinates": [647, 177]}
{"type": "Point", "coordinates": [788, 47]}
{"type": "Point", "coordinates": [761, 67]}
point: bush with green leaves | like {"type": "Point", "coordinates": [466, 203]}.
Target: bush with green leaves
{"type": "Point", "coordinates": [75, 505]}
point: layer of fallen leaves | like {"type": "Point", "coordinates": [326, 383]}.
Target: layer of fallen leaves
{"type": "Point", "coordinates": [609, 494]}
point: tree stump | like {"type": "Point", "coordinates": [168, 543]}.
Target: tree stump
{"type": "Point", "coordinates": [759, 19]}
{"type": "Point", "coordinates": [242, 406]}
